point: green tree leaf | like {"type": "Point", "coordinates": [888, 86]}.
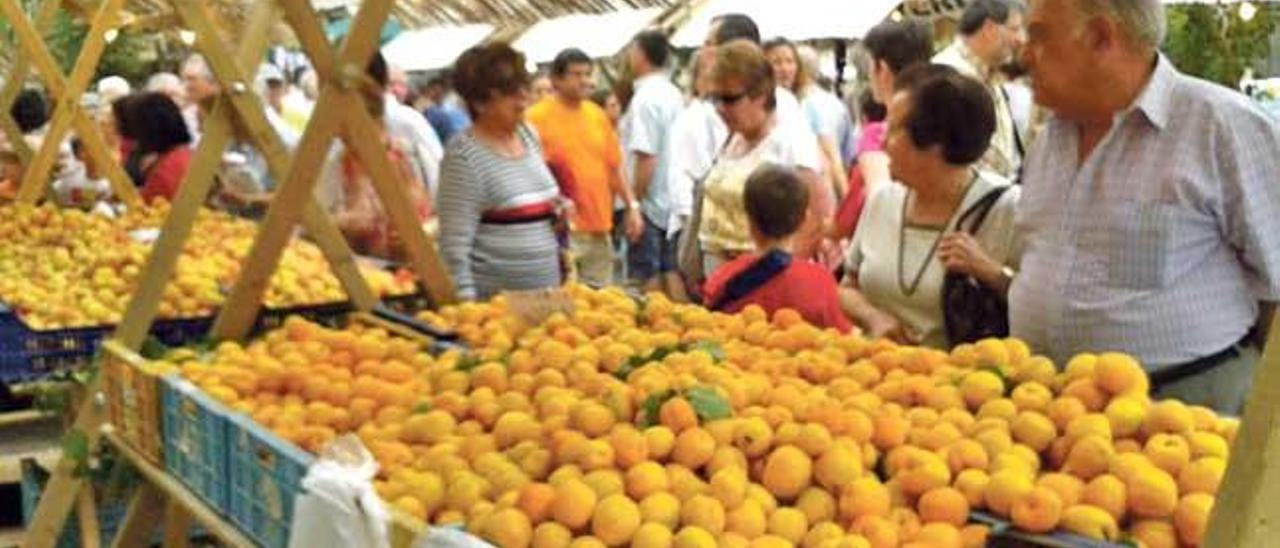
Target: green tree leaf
{"type": "Point", "coordinates": [708, 404]}
{"type": "Point", "coordinates": [653, 405]}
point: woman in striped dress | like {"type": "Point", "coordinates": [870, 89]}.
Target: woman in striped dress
{"type": "Point", "coordinates": [497, 202]}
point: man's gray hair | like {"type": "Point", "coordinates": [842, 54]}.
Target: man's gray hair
{"type": "Point", "coordinates": [1143, 19]}
{"type": "Point", "coordinates": [196, 62]}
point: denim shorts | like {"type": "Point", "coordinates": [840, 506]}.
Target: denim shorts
{"type": "Point", "coordinates": [653, 255]}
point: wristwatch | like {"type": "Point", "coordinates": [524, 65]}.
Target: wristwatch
{"type": "Point", "coordinates": [1008, 272]}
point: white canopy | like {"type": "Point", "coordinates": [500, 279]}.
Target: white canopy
{"type": "Point", "coordinates": [433, 48]}
{"type": "Point", "coordinates": [793, 19]}
{"type": "Point", "coordinates": [599, 35]}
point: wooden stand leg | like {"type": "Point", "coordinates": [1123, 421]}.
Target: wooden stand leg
{"type": "Point", "coordinates": [87, 514]}
{"type": "Point", "coordinates": [1246, 510]}
{"type": "Point", "coordinates": [143, 515]}
{"type": "Point", "coordinates": [177, 525]}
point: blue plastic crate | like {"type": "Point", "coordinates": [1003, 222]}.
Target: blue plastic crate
{"type": "Point", "coordinates": [110, 512]}
{"type": "Point", "coordinates": [266, 478]}
{"type": "Point", "coordinates": [29, 354]}
{"type": "Point", "coordinates": [196, 430]}
{"type": "Point", "coordinates": [113, 505]}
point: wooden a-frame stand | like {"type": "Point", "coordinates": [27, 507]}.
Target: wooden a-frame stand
{"type": "Point", "coordinates": [67, 91]}
{"type": "Point", "coordinates": [1244, 514]}
{"type": "Point", "coordinates": [340, 112]}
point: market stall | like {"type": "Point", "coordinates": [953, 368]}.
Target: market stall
{"type": "Point", "coordinates": [585, 417]}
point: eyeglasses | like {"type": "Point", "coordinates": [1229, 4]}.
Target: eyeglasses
{"type": "Point", "coordinates": [727, 99]}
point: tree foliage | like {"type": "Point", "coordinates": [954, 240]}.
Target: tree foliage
{"type": "Point", "coordinates": [1215, 43]}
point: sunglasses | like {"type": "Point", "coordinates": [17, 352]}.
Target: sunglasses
{"type": "Point", "coordinates": [727, 99]}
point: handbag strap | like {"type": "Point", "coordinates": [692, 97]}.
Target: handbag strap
{"type": "Point", "coordinates": [977, 213]}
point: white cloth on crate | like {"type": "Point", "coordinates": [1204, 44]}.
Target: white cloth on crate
{"type": "Point", "coordinates": [1163, 240]}
{"type": "Point", "coordinates": [339, 507]}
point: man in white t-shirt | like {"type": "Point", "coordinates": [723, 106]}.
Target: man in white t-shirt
{"type": "Point", "coordinates": [654, 107]}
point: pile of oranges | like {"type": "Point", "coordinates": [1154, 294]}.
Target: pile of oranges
{"type": "Point", "coordinates": [63, 268]}
{"type": "Point", "coordinates": [651, 424]}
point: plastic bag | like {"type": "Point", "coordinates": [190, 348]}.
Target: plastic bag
{"type": "Point", "coordinates": [340, 508]}
{"type": "Point", "coordinates": [448, 537]}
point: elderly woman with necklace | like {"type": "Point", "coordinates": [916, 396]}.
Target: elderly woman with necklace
{"type": "Point", "coordinates": [940, 124]}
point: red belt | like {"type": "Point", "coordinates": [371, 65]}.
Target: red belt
{"type": "Point", "coordinates": [532, 213]}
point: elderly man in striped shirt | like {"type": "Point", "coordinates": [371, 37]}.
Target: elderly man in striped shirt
{"type": "Point", "coordinates": [1151, 209]}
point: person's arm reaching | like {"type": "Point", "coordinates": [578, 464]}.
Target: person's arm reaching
{"type": "Point", "coordinates": [875, 322]}
{"type": "Point", "coordinates": [646, 165]}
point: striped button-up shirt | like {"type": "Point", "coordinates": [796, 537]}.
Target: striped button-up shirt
{"type": "Point", "coordinates": [1163, 240]}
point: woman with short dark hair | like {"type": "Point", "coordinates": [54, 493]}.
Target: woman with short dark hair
{"type": "Point", "coordinates": [909, 236]}
{"type": "Point", "coordinates": [162, 143]}
{"type": "Point", "coordinates": [497, 201]}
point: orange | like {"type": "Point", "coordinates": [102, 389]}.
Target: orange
{"type": "Point", "coordinates": [1202, 476]}
{"type": "Point", "coordinates": [693, 448]}
{"type": "Point", "coordinates": [1038, 511]}
{"type": "Point", "coordinates": [615, 520]}
{"type": "Point", "coordinates": [629, 445]}
{"type": "Point", "coordinates": [1068, 488]}
{"type": "Point", "coordinates": [677, 414]}
{"type": "Point", "coordinates": [973, 484]}
{"type": "Point", "coordinates": [838, 466]}
{"type": "Point", "coordinates": [944, 504]}
{"type": "Point", "coordinates": [890, 431]}
{"type": "Point", "coordinates": [1065, 409]}
{"type": "Point", "coordinates": [1191, 517]}
{"type": "Point", "coordinates": [535, 501]}
{"type": "Point", "coordinates": [1006, 487]}
{"type": "Point", "coordinates": [1091, 522]}
{"type": "Point", "coordinates": [1089, 457]}
{"type": "Point", "coordinates": [1170, 452]}
{"type": "Point", "coordinates": [1108, 493]}
{"type": "Point", "coordinates": [1152, 493]}
{"type": "Point", "coordinates": [574, 504]}
{"type": "Point", "coordinates": [1031, 396]}
{"type": "Point", "coordinates": [787, 472]}
{"type": "Point", "coordinates": [1085, 390]}
{"type": "Point", "coordinates": [1155, 533]}
{"type": "Point", "coordinates": [703, 512]}
{"type": "Point", "coordinates": [593, 419]}
{"type": "Point", "coordinates": [817, 505]}
{"type": "Point", "coordinates": [1168, 416]}
{"type": "Point", "coordinates": [878, 530]}
{"type": "Point", "coordinates": [1034, 430]}
{"type": "Point", "coordinates": [1119, 374]}
{"type": "Point", "coordinates": [507, 528]}
{"type": "Point", "coordinates": [865, 496]}
{"type": "Point", "coordinates": [939, 535]}
{"type": "Point", "coordinates": [974, 535]}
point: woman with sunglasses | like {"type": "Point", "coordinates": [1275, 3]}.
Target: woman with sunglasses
{"type": "Point", "coordinates": [743, 88]}
{"type": "Point", "coordinates": [498, 202]}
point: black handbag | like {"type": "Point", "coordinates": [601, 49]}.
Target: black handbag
{"type": "Point", "coordinates": [971, 310]}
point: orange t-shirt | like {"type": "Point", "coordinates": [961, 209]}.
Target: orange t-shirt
{"type": "Point", "coordinates": [583, 141]}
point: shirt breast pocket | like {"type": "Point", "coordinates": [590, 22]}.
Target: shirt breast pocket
{"type": "Point", "coordinates": [1142, 245]}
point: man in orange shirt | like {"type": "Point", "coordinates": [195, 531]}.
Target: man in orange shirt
{"type": "Point", "coordinates": [580, 142]}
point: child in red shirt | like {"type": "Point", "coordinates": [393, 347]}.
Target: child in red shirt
{"type": "Point", "coordinates": [776, 202]}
